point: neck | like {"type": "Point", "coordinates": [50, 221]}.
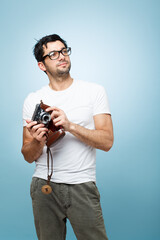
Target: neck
{"type": "Point", "coordinates": [60, 83]}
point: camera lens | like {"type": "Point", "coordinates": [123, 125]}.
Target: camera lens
{"type": "Point", "coordinates": [45, 118]}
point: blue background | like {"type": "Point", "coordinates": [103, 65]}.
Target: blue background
{"type": "Point", "coordinates": [116, 44]}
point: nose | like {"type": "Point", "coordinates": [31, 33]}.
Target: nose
{"type": "Point", "coordinates": [61, 56]}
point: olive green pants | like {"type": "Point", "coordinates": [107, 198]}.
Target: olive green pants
{"type": "Point", "coordinates": [80, 203]}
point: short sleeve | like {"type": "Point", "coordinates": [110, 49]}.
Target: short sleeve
{"type": "Point", "coordinates": [101, 104]}
{"type": "Point", "coordinates": [28, 109]}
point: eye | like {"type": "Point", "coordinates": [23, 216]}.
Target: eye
{"type": "Point", "coordinates": [52, 54]}
{"type": "Point", "coordinates": [65, 51]}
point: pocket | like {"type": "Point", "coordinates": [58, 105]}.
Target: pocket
{"type": "Point", "coordinates": [92, 190]}
{"type": "Point", "coordinates": [96, 190]}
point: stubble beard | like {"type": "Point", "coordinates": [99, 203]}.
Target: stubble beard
{"type": "Point", "coordinates": [63, 72]}
{"type": "Point", "coordinates": [60, 73]}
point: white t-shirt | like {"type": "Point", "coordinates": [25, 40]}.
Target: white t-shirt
{"type": "Point", "coordinates": [73, 161]}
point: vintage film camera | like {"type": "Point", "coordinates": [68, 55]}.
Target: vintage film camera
{"type": "Point", "coordinates": [41, 116]}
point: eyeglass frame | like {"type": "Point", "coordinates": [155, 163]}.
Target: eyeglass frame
{"type": "Point", "coordinates": [60, 51]}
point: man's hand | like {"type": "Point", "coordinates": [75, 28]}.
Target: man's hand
{"type": "Point", "coordinates": [37, 131]}
{"type": "Point", "coordinates": [34, 139]}
{"type": "Point", "coordinates": [59, 118]}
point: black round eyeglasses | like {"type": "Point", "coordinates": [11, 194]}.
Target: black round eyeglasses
{"type": "Point", "coordinates": [53, 55]}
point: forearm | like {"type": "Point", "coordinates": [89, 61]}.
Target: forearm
{"type": "Point", "coordinates": [32, 150]}
{"type": "Point", "coordinates": [100, 139]}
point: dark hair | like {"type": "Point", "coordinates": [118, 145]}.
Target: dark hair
{"type": "Point", "coordinates": [38, 48]}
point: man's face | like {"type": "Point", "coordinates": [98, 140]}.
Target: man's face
{"type": "Point", "coordinates": [61, 65]}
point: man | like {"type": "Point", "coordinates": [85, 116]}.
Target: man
{"type": "Point", "coordinates": [81, 108]}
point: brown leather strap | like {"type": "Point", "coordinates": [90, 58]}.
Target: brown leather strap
{"type": "Point", "coordinates": [49, 154]}
{"type": "Point", "coordinates": [43, 106]}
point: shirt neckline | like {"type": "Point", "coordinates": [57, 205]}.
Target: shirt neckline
{"type": "Point", "coordinates": [61, 91]}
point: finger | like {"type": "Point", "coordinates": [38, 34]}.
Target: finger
{"type": "Point", "coordinates": [31, 124]}
{"type": "Point", "coordinates": [55, 114]}
{"type": "Point", "coordinates": [59, 123]}
{"type": "Point", "coordinates": [39, 130]}
{"type": "Point", "coordinates": [52, 109]}
{"type": "Point", "coordinates": [28, 120]}
{"type": "Point", "coordinates": [57, 119]}
{"type": "Point", "coordinates": [34, 126]}
{"type": "Point", "coordinates": [42, 135]}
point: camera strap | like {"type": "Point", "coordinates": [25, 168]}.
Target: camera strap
{"type": "Point", "coordinates": [46, 189]}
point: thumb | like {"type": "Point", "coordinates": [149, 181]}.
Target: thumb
{"type": "Point", "coordinates": [28, 121]}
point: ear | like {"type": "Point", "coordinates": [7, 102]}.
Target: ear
{"type": "Point", "coordinates": [41, 66]}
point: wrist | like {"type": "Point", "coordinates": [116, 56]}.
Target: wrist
{"type": "Point", "coordinates": [72, 127]}
{"type": "Point", "coordinates": [38, 143]}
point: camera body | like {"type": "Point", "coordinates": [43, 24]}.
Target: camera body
{"type": "Point", "coordinates": [41, 116]}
